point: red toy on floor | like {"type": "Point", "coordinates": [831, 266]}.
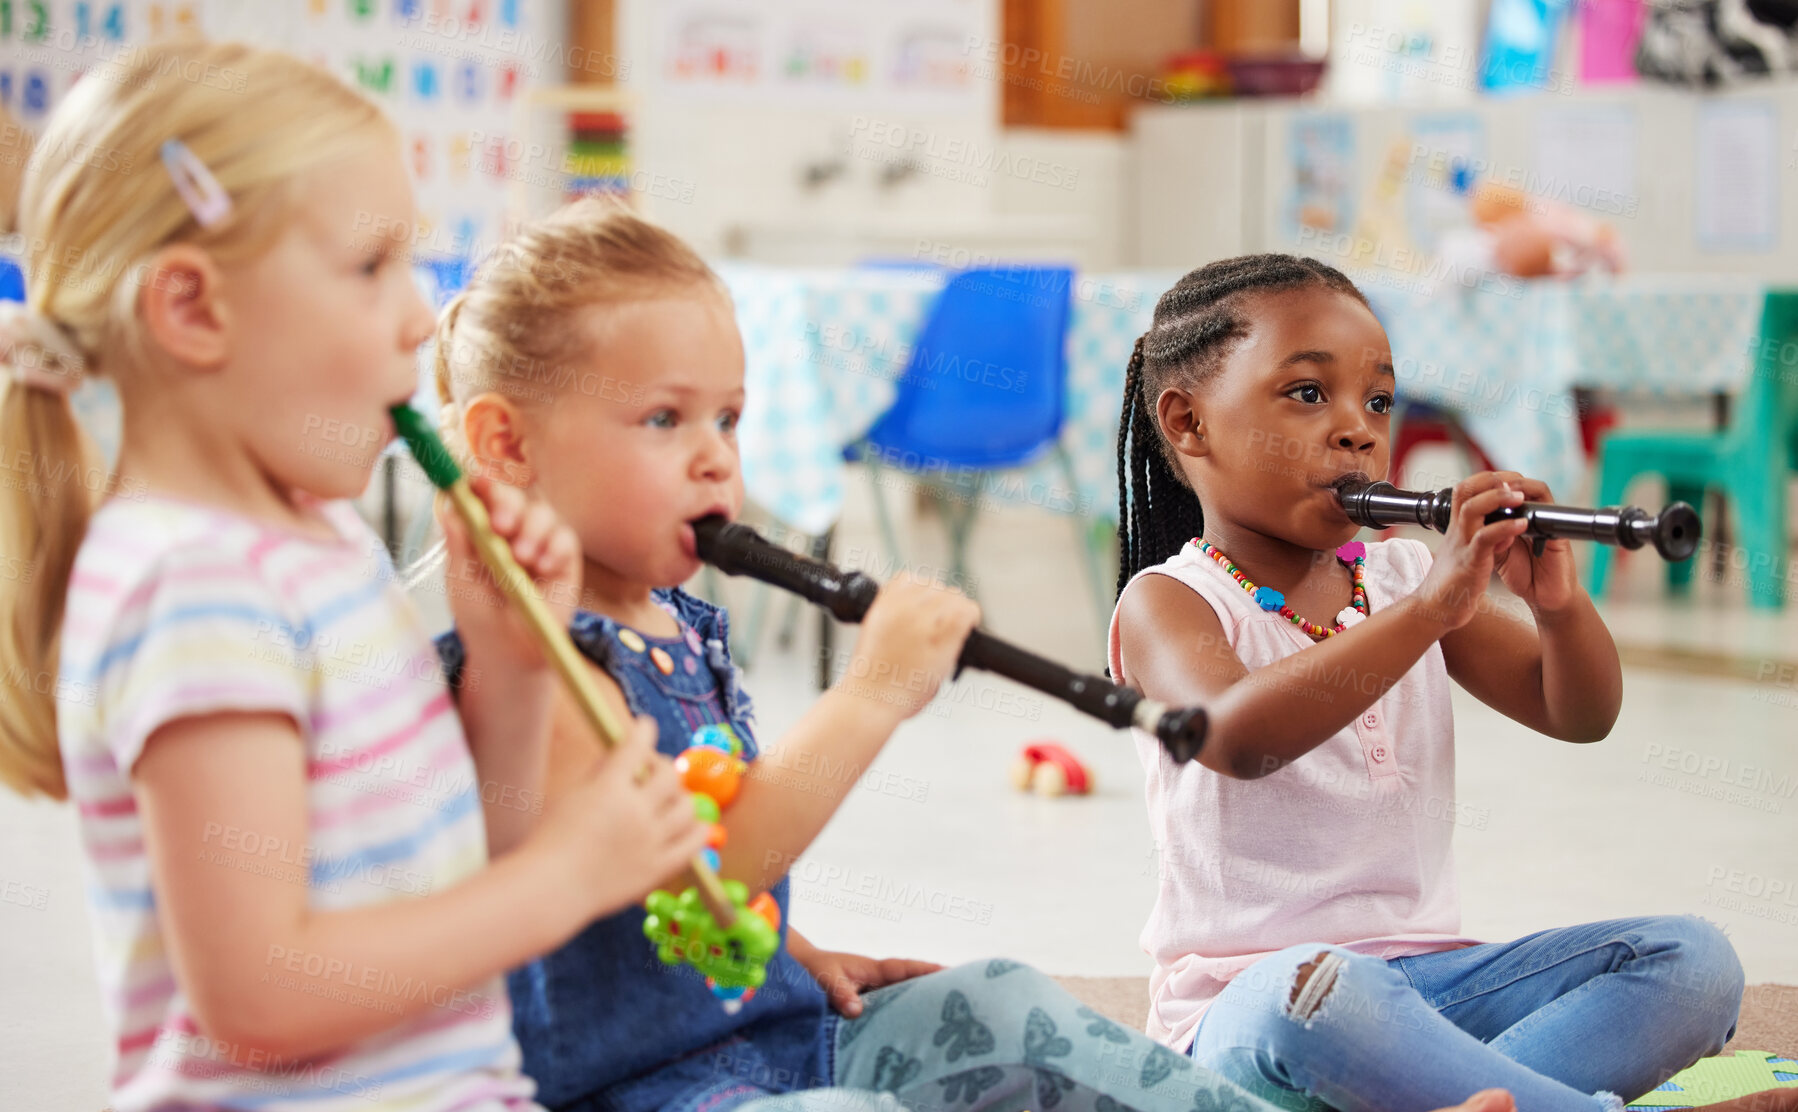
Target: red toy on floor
{"type": "Point", "coordinates": [1048, 769]}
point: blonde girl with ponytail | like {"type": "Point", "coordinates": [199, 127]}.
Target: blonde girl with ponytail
{"type": "Point", "coordinates": [306, 871]}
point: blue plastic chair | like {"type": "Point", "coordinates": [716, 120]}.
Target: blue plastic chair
{"type": "Point", "coordinates": [12, 280]}
{"type": "Point", "coordinates": [983, 392]}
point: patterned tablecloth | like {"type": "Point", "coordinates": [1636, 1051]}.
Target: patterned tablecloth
{"type": "Point", "coordinates": [1508, 363]}
{"type": "Point", "coordinates": [825, 346]}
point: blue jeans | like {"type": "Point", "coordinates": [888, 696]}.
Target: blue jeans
{"type": "Point", "coordinates": [997, 1035]}
{"type": "Point", "coordinates": [1566, 1019]}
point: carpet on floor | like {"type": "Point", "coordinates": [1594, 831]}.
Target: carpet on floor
{"type": "Point", "coordinates": [1769, 1018]}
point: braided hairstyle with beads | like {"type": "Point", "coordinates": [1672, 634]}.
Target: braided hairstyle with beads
{"type": "Point", "coordinates": [1195, 323]}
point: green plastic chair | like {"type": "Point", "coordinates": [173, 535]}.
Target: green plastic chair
{"type": "Point", "coordinates": [1750, 461]}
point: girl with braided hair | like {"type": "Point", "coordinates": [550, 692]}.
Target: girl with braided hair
{"type": "Point", "coordinates": [1306, 932]}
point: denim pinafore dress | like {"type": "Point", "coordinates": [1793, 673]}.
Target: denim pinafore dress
{"type": "Point", "coordinates": [605, 1026]}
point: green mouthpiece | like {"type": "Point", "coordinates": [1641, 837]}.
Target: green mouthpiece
{"type": "Point", "coordinates": [440, 467]}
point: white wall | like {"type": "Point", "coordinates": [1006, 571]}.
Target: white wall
{"type": "Point", "coordinates": [735, 169]}
{"type": "Point", "coordinates": [1198, 183]}
{"type": "Point", "coordinates": [744, 159]}
{"type": "Point", "coordinates": [1213, 179]}
{"type": "Point", "coordinates": [1384, 51]}
{"type": "Point", "coordinates": [1095, 214]}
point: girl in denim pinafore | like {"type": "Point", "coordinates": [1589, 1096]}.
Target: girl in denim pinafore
{"type": "Point", "coordinates": [594, 296]}
{"type": "Point", "coordinates": [605, 1027]}
{"type": "Point", "coordinates": [602, 1009]}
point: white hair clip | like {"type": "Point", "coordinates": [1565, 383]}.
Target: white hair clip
{"type": "Point", "coordinates": [205, 198]}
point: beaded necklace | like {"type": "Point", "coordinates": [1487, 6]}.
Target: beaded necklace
{"type": "Point", "coordinates": [1353, 555]}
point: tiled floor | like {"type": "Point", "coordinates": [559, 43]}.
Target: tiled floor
{"type": "Point", "coordinates": [1688, 807]}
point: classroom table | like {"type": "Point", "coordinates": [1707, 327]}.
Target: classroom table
{"type": "Point", "coordinates": [824, 347]}
{"type": "Point", "coordinates": [1509, 364]}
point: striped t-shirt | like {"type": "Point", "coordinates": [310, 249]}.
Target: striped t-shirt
{"type": "Point", "coordinates": [177, 609]}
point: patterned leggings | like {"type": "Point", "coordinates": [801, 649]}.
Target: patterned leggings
{"type": "Point", "coordinates": [999, 1035]}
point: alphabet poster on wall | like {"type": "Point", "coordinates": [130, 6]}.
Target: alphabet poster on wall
{"type": "Point", "coordinates": [449, 73]}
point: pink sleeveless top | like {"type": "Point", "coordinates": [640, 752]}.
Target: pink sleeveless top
{"type": "Point", "coordinates": [1347, 845]}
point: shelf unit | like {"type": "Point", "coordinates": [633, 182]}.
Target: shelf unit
{"type": "Point", "coordinates": [583, 132]}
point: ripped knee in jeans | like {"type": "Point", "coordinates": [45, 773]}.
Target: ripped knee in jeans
{"type": "Point", "coordinates": [1312, 985]}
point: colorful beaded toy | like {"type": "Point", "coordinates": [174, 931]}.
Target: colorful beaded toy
{"type": "Point", "coordinates": [1353, 554]}
{"type": "Point", "coordinates": [733, 959]}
